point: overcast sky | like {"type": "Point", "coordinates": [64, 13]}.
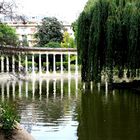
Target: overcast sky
{"type": "Point", "coordinates": [65, 10]}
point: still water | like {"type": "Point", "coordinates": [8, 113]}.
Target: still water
{"type": "Point", "coordinates": [59, 109]}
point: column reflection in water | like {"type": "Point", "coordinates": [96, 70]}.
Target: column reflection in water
{"type": "Point", "coordinates": [62, 90]}
{"type": "Point", "coordinates": [106, 88]}
{"type": "Point", "coordinates": [69, 69]}
{"type": "Point", "coordinates": [91, 86]}
{"type": "Point", "coordinates": [76, 87]}
{"type": "Point", "coordinates": [54, 88]}
{"type": "Point", "coordinates": [47, 88]}
{"type": "Point", "coordinates": [13, 89]}
{"type": "Point", "coordinates": [20, 88]}
{"type": "Point", "coordinates": [7, 88]}
{"type": "Point", "coordinates": [99, 86]}
{"type": "Point", "coordinates": [2, 92]}
{"type": "Point", "coordinates": [26, 89]}
{"type": "Point", "coordinates": [33, 89]}
{"type": "Point", "coordinates": [76, 65]}
{"type": "Point", "coordinates": [40, 89]}
{"type": "Point", "coordinates": [69, 87]}
{"type": "Point", "coordinates": [113, 92]}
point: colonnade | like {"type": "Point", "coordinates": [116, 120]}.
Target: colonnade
{"type": "Point", "coordinates": [5, 65]}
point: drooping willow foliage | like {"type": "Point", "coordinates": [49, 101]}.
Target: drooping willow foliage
{"type": "Point", "coordinates": [108, 38]}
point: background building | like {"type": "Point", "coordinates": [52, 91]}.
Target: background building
{"type": "Point", "coordinates": [26, 27]}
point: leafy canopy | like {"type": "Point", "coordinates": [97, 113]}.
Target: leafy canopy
{"type": "Point", "coordinates": [49, 31]}
{"type": "Point", "coordinates": [8, 35]}
{"type": "Point", "coordinates": [68, 42]}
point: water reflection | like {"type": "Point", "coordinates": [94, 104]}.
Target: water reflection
{"type": "Point", "coordinates": [53, 86]}
{"type": "Point", "coordinates": [48, 107]}
{"type": "Point", "coordinates": [56, 109]}
{"type": "Point", "coordinates": [114, 115]}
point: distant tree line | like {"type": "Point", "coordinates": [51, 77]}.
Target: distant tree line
{"type": "Point", "coordinates": [108, 38]}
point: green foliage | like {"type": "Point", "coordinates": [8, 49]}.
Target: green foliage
{"type": "Point", "coordinates": [49, 31]}
{"type": "Point", "coordinates": [68, 42]}
{"type": "Point", "coordinates": [108, 37]}
{"type": "Point", "coordinates": [8, 35]}
{"type": "Point", "coordinates": [53, 45]}
{"type": "Point", "coordinates": [8, 119]}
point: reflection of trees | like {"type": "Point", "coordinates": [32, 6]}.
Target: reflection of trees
{"type": "Point", "coordinates": [52, 110]}
{"type": "Point", "coordinates": [111, 117]}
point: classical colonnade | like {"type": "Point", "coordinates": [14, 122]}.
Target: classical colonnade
{"type": "Point", "coordinates": [25, 52]}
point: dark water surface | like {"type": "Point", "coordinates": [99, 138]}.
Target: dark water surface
{"type": "Point", "coordinates": [58, 109]}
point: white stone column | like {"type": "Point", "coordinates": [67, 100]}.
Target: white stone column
{"type": "Point", "coordinates": [40, 65]}
{"type": "Point", "coordinates": [47, 64]}
{"type": "Point", "coordinates": [26, 64]}
{"type": "Point", "coordinates": [69, 71]}
{"type": "Point", "coordinates": [2, 64]}
{"type": "Point", "coordinates": [54, 65]}
{"type": "Point", "coordinates": [7, 64]}
{"type": "Point", "coordinates": [33, 64]}
{"type": "Point", "coordinates": [19, 63]}
{"type": "Point", "coordinates": [61, 63]}
{"type": "Point", "coordinates": [76, 65]}
{"type": "Point", "coordinates": [13, 64]}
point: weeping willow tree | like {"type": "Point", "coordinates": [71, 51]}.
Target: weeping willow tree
{"type": "Point", "coordinates": [108, 38]}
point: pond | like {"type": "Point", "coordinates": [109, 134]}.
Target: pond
{"type": "Point", "coordinates": [60, 109]}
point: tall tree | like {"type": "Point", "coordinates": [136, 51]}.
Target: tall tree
{"type": "Point", "coordinates": [108, 37]}
{"type": "Point", "coordinates": [49, 31]}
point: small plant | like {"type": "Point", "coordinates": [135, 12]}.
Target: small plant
{"type": "Point", "coordinates": [8, 119]}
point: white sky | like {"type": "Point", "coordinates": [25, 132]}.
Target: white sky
{"type": "Point", "coordinates": [64, 10]}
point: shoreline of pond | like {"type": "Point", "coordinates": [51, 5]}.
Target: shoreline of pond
{"type": "Point", "coordinates": [18, 133]}
{"type": "Point", "coordinates": [133, 85]}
